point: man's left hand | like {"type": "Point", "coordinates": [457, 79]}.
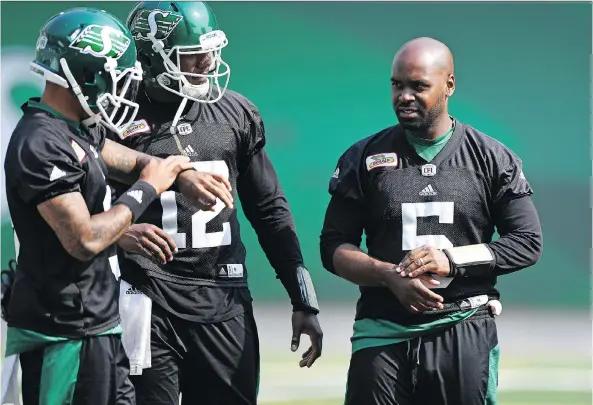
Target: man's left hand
{"type": "Point", "coordinates": [307, 323]}
{"type": "Point", "coordinates": [425, 259]}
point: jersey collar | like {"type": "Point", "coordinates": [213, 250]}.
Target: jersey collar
{"type": "Point", "coordinates": [446, 152]}
{"type": "Point", "coordinates": [36, 103]}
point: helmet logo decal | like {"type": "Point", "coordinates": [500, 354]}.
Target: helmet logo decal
{"type": "Point", "coordinates": [158, 23]}
{"type": "Point", "coordinates": [101, 41]}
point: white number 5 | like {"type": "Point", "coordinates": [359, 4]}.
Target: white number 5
{"type": "Point", "coordinates": [200, 238]}
{"type": "Point", "coordinates": [410, 238]}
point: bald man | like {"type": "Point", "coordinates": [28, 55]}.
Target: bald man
{"type": "Point", "coordinates": [429, 193]}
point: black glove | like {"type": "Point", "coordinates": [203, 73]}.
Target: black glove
{"type": "Point", "coordinates": [6, 281]}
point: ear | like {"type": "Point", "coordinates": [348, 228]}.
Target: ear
{"type": "Point", "coordinates": [450, 85]}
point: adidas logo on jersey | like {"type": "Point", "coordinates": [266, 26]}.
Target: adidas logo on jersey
{"type": "Point", "coordinates": [336, 173]}
{"type": "Point", "coordinates": [136, 195]}
{"type": "Point", "coordinates": [56, 174]}
{"type": "Point", "coordinates": [189, 151]}
{"type": "Point", "coordinates": [427, 191]}
{"type": "Point", "coordinates": [133, 290]}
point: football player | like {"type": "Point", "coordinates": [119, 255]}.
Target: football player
{"type": "Point", "coordinates": [204, 341]}
{"type": "Point", "coordinates": [429, 194]}
{"type": "Point", "coordinates": [63, 318]}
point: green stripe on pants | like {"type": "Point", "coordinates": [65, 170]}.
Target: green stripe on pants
{"type": "Point", "coordinates": [491, 393]}
{"type": "Point", "coordinates": [61, 362]}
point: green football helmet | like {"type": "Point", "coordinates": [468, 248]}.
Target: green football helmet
{"type": "Point", "coordinates": [92, 53]}
{"type": "Point", "coordinates": [164, 32]}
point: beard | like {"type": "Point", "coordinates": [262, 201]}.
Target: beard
{"type": "Point", "coordinates": [425, 118]}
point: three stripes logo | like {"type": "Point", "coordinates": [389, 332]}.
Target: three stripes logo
{"type": "Point", "coordinates": [136, 195]}
{"type": "Point", "coordinates": [189, 151]}
{"type": "Point", "coordinates": [427, 191]}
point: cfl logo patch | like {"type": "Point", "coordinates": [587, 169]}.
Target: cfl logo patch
{"type": "Point", "coordinates": [184, 129]}
{"type": "Point", "coordinates": [428, 170]}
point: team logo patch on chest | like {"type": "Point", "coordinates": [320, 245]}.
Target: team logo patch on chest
{"type": "Point", "coordinates": [381, 160]}
{"type": "Point", "coordinates": [136, 127]}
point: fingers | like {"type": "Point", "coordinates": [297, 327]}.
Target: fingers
{"type": "Point", "coordinates": [163, 245]}
{"type": "Point", "coordinates": [414, 259]}
{"type": "Point", "coordinates": [420, 266]}
{"type": "Point", "coordinates": [295, 341]}
{"type": "Point", "coordinates": [153, 249]}
{"type": "Point", "coordinates": [316, 345]}
{"type": "Point", "coordinates": [167, 238]}
{"type": "Point", "coordinates": [313, 352]}
{"type": "Point", "coordinates": [429, 279]}
{"type": "Point", "coordinates": [223, 180]}
{"type": "Point", "coordinates": [207, 190]}
{"type": "Point", "coordinates": [428, 295]}
{"type": "Point", "coordinates": [221, 191]}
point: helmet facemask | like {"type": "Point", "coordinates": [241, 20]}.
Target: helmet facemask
{"type": "Point", "coordinates": [105, 91]}
{"type": "Point", "coordinates": [176, 81]}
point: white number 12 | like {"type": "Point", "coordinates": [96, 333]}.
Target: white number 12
{"type": "Point", "coordinates": [200, 238]}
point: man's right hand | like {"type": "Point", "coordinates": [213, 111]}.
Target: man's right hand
{"type": "Point", "coordinates": [161, 174]}
{"type": "Point", "coordinates": [150, 241]}
{"type": "Point", "coordinates": [413, 293]}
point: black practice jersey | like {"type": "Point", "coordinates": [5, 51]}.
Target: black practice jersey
{"type": "Point", "coordinates": [55, 293]}
{"type": "Point", "coordinates": [207, 279]}
{"type": "Point", "coordinates": [402, 202]}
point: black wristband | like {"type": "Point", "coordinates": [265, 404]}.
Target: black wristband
{"type": "Point", "coordinates": [453, 272]}
{"type": "Point", "coordinates": [138, 198]}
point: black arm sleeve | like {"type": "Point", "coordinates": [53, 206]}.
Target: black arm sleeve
{"type": "Point", "coordinates": [267, 209]}
{"type": "Point", "coordinates": [344, 217]}
{"type": "Point", "coordinates": [515, 217]}
{"type": "Point", "coordinates": [520, 243]}
{"type": "Point", "coordinates": [343, 224]}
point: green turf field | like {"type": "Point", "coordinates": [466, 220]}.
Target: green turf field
{"type": "Point", "coordinates": [505, 398]}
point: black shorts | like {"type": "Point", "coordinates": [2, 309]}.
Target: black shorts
{"type": "Point", "coordinates": [88, 371]}
{"type": "Point", "coordinates": [458, 366]}
{"type": "Point", "coordinates": [207, 363]}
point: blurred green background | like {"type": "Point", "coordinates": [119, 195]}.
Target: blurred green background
{"type": "Point", "coordinates": [319, 73]}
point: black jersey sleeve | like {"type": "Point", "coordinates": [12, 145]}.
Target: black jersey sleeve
{"type": "Point", "coordinates": [254, 139]}
{"type": "Point", "coordinates": [343, 221]}
{"type": "Point", "coordinates": [44, 166]}
{"type": "Point", "coordinates": [346, 181]}
{"type": "Point", "coordinates": [509, 181]}
{"type": "Point", "coordinates": [515, 216]}
{"type": "Point", "coordinates": [521, 241]}
{"type": "Point", "coordinates": [267, 209]}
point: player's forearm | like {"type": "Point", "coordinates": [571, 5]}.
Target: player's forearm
{"type": "Point", "coordinates": [103, 231]}
{"type": "Point", "coordinates": [124, 164]}
{"type": "Point", "coordinates": [519, 245]}
{"type": "Point", "coordinates": [267, 209]}
{"type": "Point", "coordinates": [354, 265]}
{"type": "Point", "coordinates": [521, 239]}
{"type": "Point", "coordinates": [84, 236]}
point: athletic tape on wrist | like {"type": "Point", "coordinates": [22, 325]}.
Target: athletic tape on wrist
{"type": "Point", "coordinates": [307, 296]}
{"type": "Point", "coordinates": [470, 261]}
{"type": "Point", "coordinates": [138, 198]}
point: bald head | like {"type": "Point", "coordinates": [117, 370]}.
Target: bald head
{"type": "Point", "coordinates": [422, 81]}
{"type": "Point", "coordinates": [426, 52]}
